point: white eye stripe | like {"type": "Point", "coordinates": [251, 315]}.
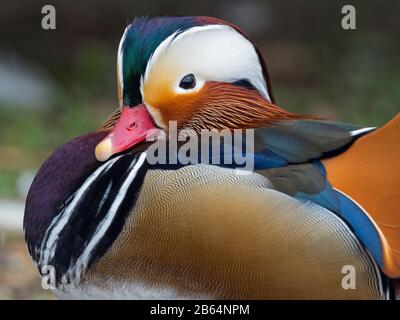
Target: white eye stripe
{"type": "Point", "coordinates": [211, 53]}
{"type": "Point", "coordinates": [120, 64]}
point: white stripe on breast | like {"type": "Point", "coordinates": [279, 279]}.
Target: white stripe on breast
{"type": "Point", "coordinates": [49, 243]}
{"type": "Point", "coordinates": [83, 260]}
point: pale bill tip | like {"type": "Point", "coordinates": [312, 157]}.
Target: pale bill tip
{"type": "Point", "coordinates": [104, 150]}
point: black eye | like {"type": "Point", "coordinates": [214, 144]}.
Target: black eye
{"type": "Point", "coordinates": [188, 82]}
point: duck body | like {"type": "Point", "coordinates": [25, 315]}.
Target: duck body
{"type": "Point", "coordinates": [208, 233]}
{"type": "Point", "coordinates": [206, 252]}
{"type": "Point", "coordinates": [291, 228]}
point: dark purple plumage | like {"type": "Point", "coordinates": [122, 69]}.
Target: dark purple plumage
{"type": "Point", "coordinates": [59, 176]}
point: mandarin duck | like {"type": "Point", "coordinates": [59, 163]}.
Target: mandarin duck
{"type": "Point", "coordinates": [321, 196]}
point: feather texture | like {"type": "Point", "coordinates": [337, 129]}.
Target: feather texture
{"type": "Point", "coordinates": [369, 173]}
{"type": "Point", "coordinates": [212, 232]}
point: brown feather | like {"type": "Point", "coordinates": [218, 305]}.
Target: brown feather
{"type": "Point", "coordinates": [218, 106]}
{"type": "Point", "coordinates": [226, 106]}
{"type": "Point", "coordinates": [110, 122]}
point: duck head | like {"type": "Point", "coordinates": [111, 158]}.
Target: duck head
{"type": "Point", "coordinates": [201, 72]}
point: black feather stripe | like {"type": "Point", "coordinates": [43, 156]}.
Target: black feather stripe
{"type": "Point", "coordinates": [123, 210]}
{"type": "Point", "coordinates": [91, 211]}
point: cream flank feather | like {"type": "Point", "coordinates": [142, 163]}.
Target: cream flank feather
{"type": "Point", "coordinates": [211, 232]}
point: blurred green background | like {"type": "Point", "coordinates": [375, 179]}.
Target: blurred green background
{"type": "Point", "coordinates": [64, 82]}
{"type": "Point", "coordinates": [58, 84]}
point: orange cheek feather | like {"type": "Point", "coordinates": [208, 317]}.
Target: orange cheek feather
{"type": "Point", "coordinates": [171, 106]}
{"type": "Point", "coordinates": [216, 105]}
